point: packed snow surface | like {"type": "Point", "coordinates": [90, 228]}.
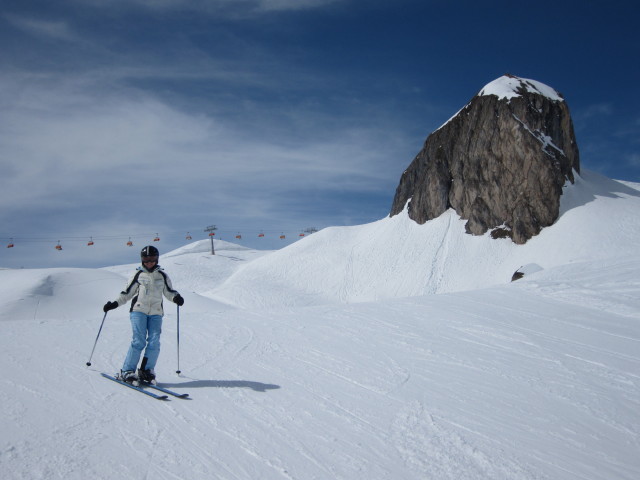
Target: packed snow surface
{"type": "Point", "coordinates": [382, 351]}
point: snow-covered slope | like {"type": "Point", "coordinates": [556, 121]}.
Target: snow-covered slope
{"type": "Point", "coordinates": [395, 257]}
{"type": "Point", "coordinates": [536, 379]}
{"type": "Point", "coordinates": [62, 293]}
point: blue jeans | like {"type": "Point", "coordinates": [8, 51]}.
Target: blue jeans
{"type": "Point", "coordinates": [146, 331]}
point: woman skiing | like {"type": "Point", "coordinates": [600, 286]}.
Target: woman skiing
{"type": "Point", "coordinates": [145, 288]}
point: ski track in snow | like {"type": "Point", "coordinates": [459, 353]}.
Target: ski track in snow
{"type": "Point", "coordinates": [344, 365]}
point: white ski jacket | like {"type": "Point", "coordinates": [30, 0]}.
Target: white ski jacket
{"type": "Point", "coordinates": [145, 288]}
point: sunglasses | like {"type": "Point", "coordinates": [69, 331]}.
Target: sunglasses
{"type": "Point", "coordinates": [149, 259]}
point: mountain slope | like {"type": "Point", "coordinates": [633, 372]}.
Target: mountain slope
{"type": "Point", "coordinates": [396, 257]}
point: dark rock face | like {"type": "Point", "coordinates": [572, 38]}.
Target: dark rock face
{"type": "Point", "coordinates": [500, 162]}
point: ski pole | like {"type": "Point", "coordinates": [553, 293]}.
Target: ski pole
{"type": "Point", "coordinates": [178, 339]}
{"type": "Point", "coordinates": [96, 342]}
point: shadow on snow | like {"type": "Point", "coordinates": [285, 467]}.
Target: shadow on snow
{"type": "Point", "coordinates": [256, 386]}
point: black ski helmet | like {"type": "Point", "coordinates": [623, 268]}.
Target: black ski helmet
{"type": "Point", "coordinates": [149, 251]}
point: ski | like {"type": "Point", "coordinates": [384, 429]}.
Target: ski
{"type": "Point", "coordinates": [165, 390]}
{"type": "Point", "coordinates": [140, 389]}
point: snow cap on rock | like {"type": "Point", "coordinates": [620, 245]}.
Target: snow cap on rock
{"type": "Point", "coordinates": [509, 86]}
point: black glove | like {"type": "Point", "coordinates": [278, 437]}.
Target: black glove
{"type": "Point", "coordinates": [109, 306]}
{"type": "Point", "coordinates": [178, 300]}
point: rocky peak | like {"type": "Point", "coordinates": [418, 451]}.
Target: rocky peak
{"type": "Point", "coordinates": [500, 162]}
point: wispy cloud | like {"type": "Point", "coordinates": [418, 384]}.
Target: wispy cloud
{"type": "Point", "coordinates": [294, 4]}
{"type": "Point", "coordinates": [634, 160]}
{"type": "Point", "coordinates": [593, 112]}
{"type": "Point", "coordinates": [230, 7]}
{"type": "Point", "coordinates": [42, 28]}
{"type": "Point", "coordinates": [171, 132]}
{"type": "Point", "coordinates": [69, 143]}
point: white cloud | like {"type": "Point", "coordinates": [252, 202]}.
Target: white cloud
{"type": "Point", "coordinates": [169, 138]}
{"type": "Point", "coordinates": [86, 152]}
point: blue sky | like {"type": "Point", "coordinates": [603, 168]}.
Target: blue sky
{"type": "Point", "coordinates": [131, 118]}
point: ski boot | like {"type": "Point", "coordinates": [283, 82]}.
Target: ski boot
{"type": "Point", "coordinates": [147, 376]}
{"type": "Point", "coordinates": [129, 377]}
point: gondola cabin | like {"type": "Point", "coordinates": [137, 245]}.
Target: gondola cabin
{"type": "Point", "coordinates": [261, 235]}
{"type": "Point", "coordinates": [239, 237]}
{"type": "Point", "coordinates": [157, 238]}
{"type": "Point", "coordinates": [58, 246]}
{"type": "Point", "coordinates": [282, 237]}
{"type": "Point", "coordinates": [188, 237]}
